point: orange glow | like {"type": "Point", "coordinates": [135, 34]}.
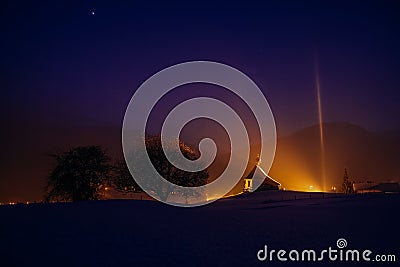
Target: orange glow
{"type": "Point", "coordinates": [298, 178]}
{"type": "Point", "coordinates": [312, 188]}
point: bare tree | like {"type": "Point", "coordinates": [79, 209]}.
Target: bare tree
{"type": "Point", "coordinates": [168, 171]}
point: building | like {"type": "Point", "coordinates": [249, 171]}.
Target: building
{"type": "Point", "coordinates": [255, 177]}
{"type": "Point", "coordinates": [375, 187]}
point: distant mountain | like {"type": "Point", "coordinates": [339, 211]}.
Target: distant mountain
{"type": "Point", "coordinates": [366, 155]}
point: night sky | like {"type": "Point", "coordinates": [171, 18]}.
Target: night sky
{"type": "Point", "coordinates": [75, 64]}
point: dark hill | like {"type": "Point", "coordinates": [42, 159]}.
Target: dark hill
{"type": "Point", "coordinates": [366, 155]}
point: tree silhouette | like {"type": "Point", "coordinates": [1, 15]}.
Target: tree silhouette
{"type": "Point", "coordinates": [80, 174]}
{"type": "Point", "coordinates": [168, 171]}
{"type": "Point", "coordinates": [347, 186]}
{"type": "Point", "coordinates": [122, 179]}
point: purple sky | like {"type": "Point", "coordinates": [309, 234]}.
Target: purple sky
{"type": "Point", "coordinates": [63, 66]}
{"type": "Point", "coordinates": [60, 63]}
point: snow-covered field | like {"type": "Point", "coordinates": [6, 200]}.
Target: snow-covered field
{"type": "Point", "coordinates": [228, 232]}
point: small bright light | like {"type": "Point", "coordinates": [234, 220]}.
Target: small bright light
{"type": "Point", "coordinates": [92, 12]}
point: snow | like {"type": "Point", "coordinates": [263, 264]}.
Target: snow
{"type": "Point", "coordinates": [228, 232]}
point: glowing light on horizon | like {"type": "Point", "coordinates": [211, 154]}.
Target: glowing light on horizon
{"type": "Point", "coordinates": [312, 188]}
{"type": "Point", "coordinates": [321, 128]}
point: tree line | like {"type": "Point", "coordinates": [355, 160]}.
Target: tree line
{"type": "Point", "coordinates": [84, 172]}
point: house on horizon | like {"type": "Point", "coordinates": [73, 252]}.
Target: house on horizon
{"type": "Point", "coordinates": [258, 174]}
{"type": "Point", "coordinates": [376, 187]}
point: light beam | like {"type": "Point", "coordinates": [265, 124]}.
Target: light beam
{"type": "Point", "coordinates": [321, 128]}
